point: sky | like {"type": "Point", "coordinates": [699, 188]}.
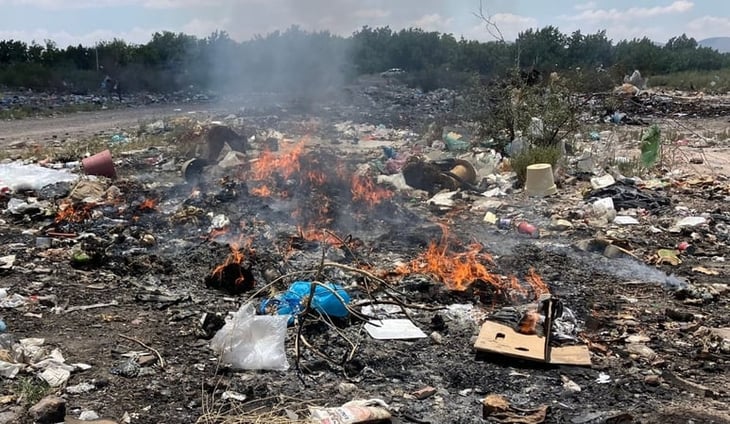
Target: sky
{"type": "Point", "coordinates": [86, 22]}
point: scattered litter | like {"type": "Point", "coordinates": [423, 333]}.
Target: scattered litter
{"type": "Point", "coordinates": [392, 329]}
{"type": "Point", "coordinates": [497, 408]}
{"type": "Point", "coordinates": [18, 177]}
{"type": "Point", "coordinates": [252, 342]}
{"type": "Point", "coordinates": [328, 299]}
{"type": "Point", "coordinates": [353, 412]}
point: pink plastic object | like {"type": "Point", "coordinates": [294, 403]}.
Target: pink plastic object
{"type": "Point", "coordinates": [100, 164]}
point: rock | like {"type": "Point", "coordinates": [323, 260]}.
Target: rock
{"type": "Point", "coordinates": [80, 388]}
{"type": "Point", "coordinates": [561, 225]}
{"type": "Point", "coordinates": [569, 385]}
{"type": "Point", "coordinates": [12, 416]}
{"type": "Point", "coordinates": [642, 350]}
{"type": "Point", "coordinates": [424, 393]}
{"type": "Point", "coordinates": [652, 380]}
{"type": "Point", "coordinates": [89, 416]}
{"type": "Point", "coordinates": [437, 338]}
{"type": "Point", "coordinates": [50, 409]}
{"type": "Point", "coordinates": [346, 388]}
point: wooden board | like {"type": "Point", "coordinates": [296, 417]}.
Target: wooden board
{"type": "Point", "coordinates": [495, 337]}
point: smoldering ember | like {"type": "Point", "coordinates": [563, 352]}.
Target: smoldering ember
{"type": "Point", "coordinates": [372, 255]}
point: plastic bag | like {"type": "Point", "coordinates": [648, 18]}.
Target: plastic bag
{"type": "Point", "coordinates": [17, 176]}
{"type": "Point", "coordinates": [252, 342]}
{"type": "Point", "coordinates": [292, 302]}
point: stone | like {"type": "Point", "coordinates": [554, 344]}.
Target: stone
{"type": "Point", "coordinates": [50, 410]}
{"type": "Point", "coordinates": [561, 225]}
{"type": "Point", "coordinates": [437, 338]}
{"type": "Point", "coordinates": [12, 416]}
{"type": "Point", "coordinates": [652, 380]}
{"type": "Point", "coordinates": [346, 388]}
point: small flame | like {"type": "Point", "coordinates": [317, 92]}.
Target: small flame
{"type": "Point", "coordinates": [364, 190]}
{"type": "Point", "coordinates": [456, 270]}
{"type": "Point", "coordinates": [538, 285]}
{"type": "Point", "coordinates": [235, 257]}
{"type": "Point", "coordinates": [528, 323]}
{"type": "Point", "coordinates": [148, 205]}
{"type": "Point", "coordinates": [285, 164]}
{"type": "Point", "coordinates": [262, 191]}
{"type": "Point", "coordinates": [67, 212]}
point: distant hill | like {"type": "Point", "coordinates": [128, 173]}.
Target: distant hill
{"type": "Point", "coordinates": [721, 44]}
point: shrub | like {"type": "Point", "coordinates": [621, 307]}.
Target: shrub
{"type": "Point", "coordinates": [536, 154]}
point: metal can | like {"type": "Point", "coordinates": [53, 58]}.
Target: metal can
{"type": "Point", "coordinates": [504, 223]}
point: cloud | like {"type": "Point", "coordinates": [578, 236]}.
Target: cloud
{"type": "Point", "coordinates": [205, 27]}
{"type": "Point", "coordinates": [585, 6]}
{"type": "Point", "coordinates": [709, 26]}
{"type": "Point", "coordinates": [633, 13]}
{"type": "Point", "coordinates": [433, 22]}
{"type": "Point", "coordinates": [510, 25]}
{"type": "Point", "coordinates": [90, 4]}
{"type": "Point", "coordinates": [371, 13]}
{"type": "Point", "coordinates": [64, 39]}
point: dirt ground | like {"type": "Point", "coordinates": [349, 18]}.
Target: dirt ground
{"type": "Point", "coordinates": [655, 358]}
{"type": "Point", "coordinates": [39, 130]}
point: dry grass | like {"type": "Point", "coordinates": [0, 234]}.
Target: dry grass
{"type": "Point", "coordinates": [271, 410]}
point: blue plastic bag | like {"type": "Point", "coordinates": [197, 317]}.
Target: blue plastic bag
{"type": "Point", "coordinates": [293, 301]}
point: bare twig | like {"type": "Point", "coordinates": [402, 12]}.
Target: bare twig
{"type": "Point", "coordinates": [159, 357]}
{"type": "Point", "coordinates": [489, 23]}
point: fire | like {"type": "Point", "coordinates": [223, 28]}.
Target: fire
{"type": "Point", "coordinates": [285, 164]}
{"type": "Point", "coordinates": [262, 191]}
{"type": "Point", "coordinates": [528, 323]}
{"type": "Point", "coordinates": [235, 257]}
{"type": "Point", "coordinates": [364, 190]}
{"type": "Point", "coordinates": [313, 234]}
{"type": "Point", "coordinates": [148, 205]}
{"type": "Point", "coordinates": [456, 270]}
{"type": "Point", "coordinates": [67, 212]}
{"type": "Point", "coordinates": [535, 281]}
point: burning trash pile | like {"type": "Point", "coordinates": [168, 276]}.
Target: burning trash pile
{"type": "Point", "coordinates": [369, 275]}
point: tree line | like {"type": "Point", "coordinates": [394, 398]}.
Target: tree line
{"type": "Point", "coordinates": [303, 61]}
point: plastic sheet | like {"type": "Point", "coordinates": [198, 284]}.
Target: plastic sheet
{"type": "Point", "coordinates": [252, 342]}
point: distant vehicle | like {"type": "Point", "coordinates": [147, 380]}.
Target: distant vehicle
{"type": "Point", "coordinates": [392, 72]}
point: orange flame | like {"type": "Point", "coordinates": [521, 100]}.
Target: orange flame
{"type": "Point", "coordinates": [538, 285]}
{"type": "Point", "coordinates": [262, 191]}
{"type": "Point", "coordinates": [286, 164]}
{"type": "Point", "coordinates": [456, 270]}
{"type": "Point", "coordinates": [235, 257]}
{"type": "Point", "coordinates": [69, 213]}
{"type": "Point", "coordinates": [528, 323]}
{"type": "Point", "coordinates": [148, 205]}
{"type": "Point", "coordinates": [364, 190]}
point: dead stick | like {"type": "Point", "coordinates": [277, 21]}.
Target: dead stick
{"type": "Point", "coordinates": [159, 357]}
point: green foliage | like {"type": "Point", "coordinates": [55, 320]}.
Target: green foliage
{"type": "Point", "coordinates": [533, 155]}
{"type": "Point", "coordinates": [650, 146]}
{"type": "Point", "coordinates": [307, 63]}
{"type": "Point", "coordinates": [503, 111]}
{"type": "Point", "coordinates": [30, 390]}
{"type": "Point", "coordinates": [714, 81]}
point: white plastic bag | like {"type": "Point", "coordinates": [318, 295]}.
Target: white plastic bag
{"type": "Point", "coordinates": [253, 342]}
{"type": "Point", "coordinates": [17, 176]}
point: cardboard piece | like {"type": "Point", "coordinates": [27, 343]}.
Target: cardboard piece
{"type": "Point", "coordinates": [495, 337]}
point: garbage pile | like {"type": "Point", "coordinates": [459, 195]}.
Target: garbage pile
{"type": "Point", "coordinates": [335, 271]}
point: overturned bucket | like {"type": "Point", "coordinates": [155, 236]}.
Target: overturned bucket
{"type": "Point", "coordinates": [540, 181]}
{"type": "Point", "coordinates": [100, 164]}
{"type": "Point", "coordinates": [465, 171]}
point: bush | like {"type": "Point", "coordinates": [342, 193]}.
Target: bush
{"type": "Point", "coordinates": [506, 108]}
{"type": "Point", "coordinates": [533, 155]}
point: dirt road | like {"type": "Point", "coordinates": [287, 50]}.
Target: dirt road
{"type": "Point", "coordinates": [84, 124]}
